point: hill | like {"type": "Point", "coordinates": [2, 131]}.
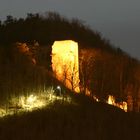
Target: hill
{"type": "Point", "coordinates": [80, 119]}
{"type": "Point", "coordinates": [104, 69]}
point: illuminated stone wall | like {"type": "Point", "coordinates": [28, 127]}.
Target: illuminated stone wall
{"type": "Point", "coordinates": [65, 63]}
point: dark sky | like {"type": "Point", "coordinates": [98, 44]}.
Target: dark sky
{"type": "Point", "coordinates": [116, 20]}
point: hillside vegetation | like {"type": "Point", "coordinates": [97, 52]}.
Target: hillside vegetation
{"type": "Point", "coordinates": [104, 69]}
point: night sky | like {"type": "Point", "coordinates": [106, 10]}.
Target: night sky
{"type": "Point", "coordinates": [117, 20]}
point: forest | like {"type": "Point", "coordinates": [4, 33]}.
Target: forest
{"type": "Point", "coordinates": [25, 58]}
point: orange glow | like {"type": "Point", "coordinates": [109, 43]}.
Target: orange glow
{"type": "Point", "coordinates": [111, 100]}
{"type": "Point", "coordinates": [31, 102]}
{"type": "Point", "coordinates": [23, 47]}
{"type": "Point", "coordinates": [122, 105]}
{"type": "Point", "coordinates": [65, 64]}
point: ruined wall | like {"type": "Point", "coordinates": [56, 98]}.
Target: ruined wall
{"type": "Point", "coordinates": [65, 64]}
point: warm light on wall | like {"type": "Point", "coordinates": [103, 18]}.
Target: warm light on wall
{"type": "Point", "coordinates": [65, 64]}
{"type": "Point", "coordinates": [122, 105]}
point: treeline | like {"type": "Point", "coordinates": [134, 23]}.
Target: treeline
{"type": "Point", "coordinates": [47, 28]}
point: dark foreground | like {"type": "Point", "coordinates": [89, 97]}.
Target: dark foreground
{"type": "Point", "coordinates": [63, 121]}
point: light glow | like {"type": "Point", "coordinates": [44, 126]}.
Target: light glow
{"type": "Point", "coordinates": [31, 102]}
{"type": "Point", "coordinates": [111, 100]}
{"type": "Point", "coordinates": [58, 87]}
{"type": "Point", "coordinates": [122, 105]}
{"type": "Point", "coordinates": [65, 64]}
